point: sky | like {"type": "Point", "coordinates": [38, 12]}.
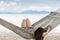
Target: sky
{"type": "Point", "coordinates": [22, 5]}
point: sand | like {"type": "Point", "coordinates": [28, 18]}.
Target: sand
{"type": "Point", "coordinates": [6, 34]}
{"type": "Point", "coordinates": [53, 36]}
{"type": "Point", "coordinates": [12, 36]}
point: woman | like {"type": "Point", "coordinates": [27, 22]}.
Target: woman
{"type": "Point", "coordinates": [39, 34]}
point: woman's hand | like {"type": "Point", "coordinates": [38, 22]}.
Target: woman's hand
{"type": "Point", "coordinates": [45, 33]}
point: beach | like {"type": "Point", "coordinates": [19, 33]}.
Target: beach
{"type": "Point", "coordinates": [12, 13]}
{"type": "Point", "coordinates": [9, 35]}
{"type": "Point", "coordinates": [16, 19]}
{"type": "Point", "coordinates": [53, 36]}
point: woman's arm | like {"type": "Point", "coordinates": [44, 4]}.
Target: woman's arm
{"type": "Point", "coordinates": [48, 30]}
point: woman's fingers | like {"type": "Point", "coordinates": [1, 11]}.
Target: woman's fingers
{"type": "Point", "coordinates": [49, 29]}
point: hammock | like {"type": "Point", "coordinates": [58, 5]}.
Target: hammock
{"type": "Point", "coordinates": [52, 19]}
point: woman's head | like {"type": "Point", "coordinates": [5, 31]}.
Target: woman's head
{"type": "Point", "coordinates": [39, 33]}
